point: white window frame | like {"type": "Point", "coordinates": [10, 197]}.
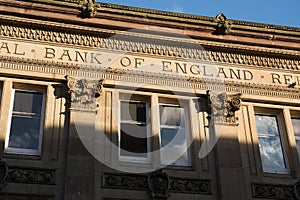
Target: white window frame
{"type": "Point", "coordinates": [187, 134]}
{"type": "Point", "coordinates": [24, 151]}
{"type": "Point", "coordinates": [279, 121]}
{"type": "Point", "coordinates": [146, 159]}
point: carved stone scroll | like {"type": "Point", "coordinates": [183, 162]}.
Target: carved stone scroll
{"type": "Point", "coordinates": [3, 174]}
{"type": "Point", "coordinates": [223, 107]}
{"type": "Point", "coordinates": [83, 93]}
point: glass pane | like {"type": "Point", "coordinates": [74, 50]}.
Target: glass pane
{"type": "Point", "coordinates": [133, 140]}
{"type": "Point", "coordinates": [298, 145]}
{"type": "Point", "coordinates": [270, 146]}
{"type": "Point", "coordinates": [266, 125]}
{"type": "Point", "coordinates": [296, 126]}
{"type": "Point", "coordinates": [133, 111]}
{"type": "Point", "coordinates": [173, 144]}
{"type": "Point", "coordinates": [24, 132]}
{"type": "Point", "coordinates": [171, 115]}
{"type": "Point", "coordinates": [28, 102]}
{"type": "Point", "coordinates": [271, 154]}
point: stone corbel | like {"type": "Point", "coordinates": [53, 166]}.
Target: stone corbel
{"type": "Point", "coordinates": [223, 107]}
{"type": "Point", "coordinates": [3, 174]}
{"type": "Point", "coordinates": [88, 8]}
{"type": "Point", "coordinates": [83, 93]}
{"type": "Point", "coordinates": [223, 25]}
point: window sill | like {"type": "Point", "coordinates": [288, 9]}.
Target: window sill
{"type": "Point", "coordinates": [179, 168]}
{"type": "Point", "coordinates": [21, 156]}
{"type": "Point", "coordinates": [286, 175]}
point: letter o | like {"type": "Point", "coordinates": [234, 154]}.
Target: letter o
{"type": "Point", "coordinates": [125, 62]}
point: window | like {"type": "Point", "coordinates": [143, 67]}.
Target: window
{"type": "Point", "coordinates": [137, 131]}
{"type": "Point", "coordinates": [270, 144]}
{"type": "Point", "coordinates": [25, 126]}
{"type": "Point", "coordinates": [173, 138]}
{"type": "Point", "coordinates": [296, 127]}
{"type": "Point", "coordinates": [133, 132]}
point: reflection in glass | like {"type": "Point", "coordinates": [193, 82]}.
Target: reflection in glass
{"type": "Point", "coordinates": [28, 102]}
{"type": "Point", "coordinates": [173, 139]}
{"type": "Point", "coordinates": [133, 111]}
{"type": "Point", "coordinates": [133, 129]}
{"type": "Point", "coordinates": [25, 126]}
{"type": "Point", "coordinates": [24, 132]}
{"type": "Point", "coordinates": [296, 126]}
{"type": "Point", "coordinates": [270, 145]}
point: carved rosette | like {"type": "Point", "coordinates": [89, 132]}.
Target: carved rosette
{"type": "Point", "coordinates": [223, 107]}
{"type": "Point", "coordinates": [159, 184]}
{"type": "Point", "coordinates": [223, 25]}
{"type": "Point", "coordinates": [83, 93]}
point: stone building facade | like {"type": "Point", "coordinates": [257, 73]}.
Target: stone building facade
{"type": "Point", "coordinates": [101, 101]}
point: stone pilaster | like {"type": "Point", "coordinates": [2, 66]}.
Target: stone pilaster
{"type": "Point", "coordinates": [224, 124]}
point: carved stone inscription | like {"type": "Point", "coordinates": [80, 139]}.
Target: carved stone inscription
{"type": "Point", "coordinates": [98, 58]}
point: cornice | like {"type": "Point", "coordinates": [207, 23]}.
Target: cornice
{"type": "Point", "coordinates": [180, 17]}
{"type": "Point", "coordinates": [150, 78]}
{"type": "Point", "coordinates": [147, 44]}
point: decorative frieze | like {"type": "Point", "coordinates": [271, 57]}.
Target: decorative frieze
{"type": "Point", "coordinates": [31, 176]}
{"type": "Point", "coordinates": [151, 182]}
{"type": "Point", "coordinates": [223, 107]}
{"type": "Point", "coordinates": [270, 191]}
{"type": "Point", "coordinates": [191, 186]}
{"type": "Point", "coordinates": [122, 181]}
